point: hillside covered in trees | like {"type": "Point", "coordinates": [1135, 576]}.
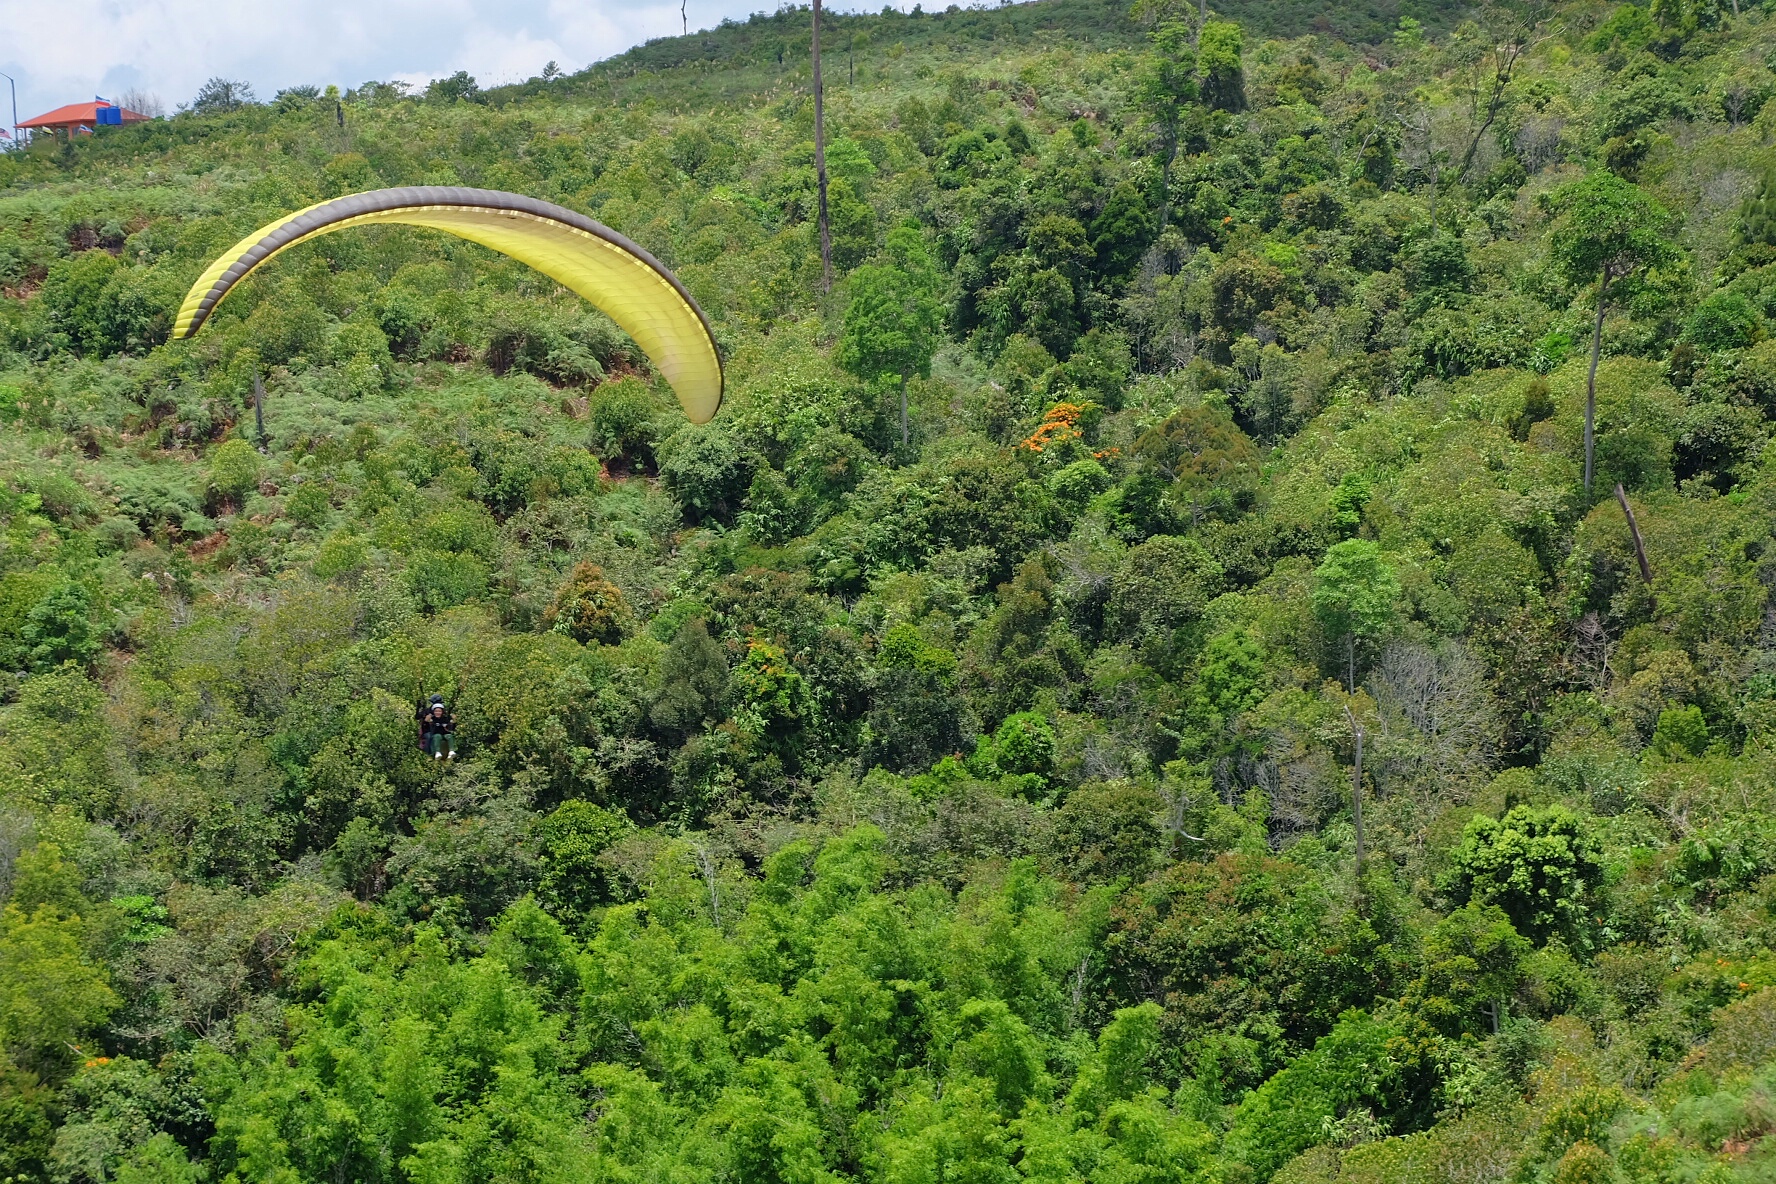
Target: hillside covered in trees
{"type": "Point", "coordinates": [939, 768]}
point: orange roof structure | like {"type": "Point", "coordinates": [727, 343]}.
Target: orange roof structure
{"type": "Point", "coordinates": [81, 115]}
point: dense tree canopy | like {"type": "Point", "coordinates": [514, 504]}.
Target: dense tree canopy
{"type": "Point", "coordinates": [938, 767]}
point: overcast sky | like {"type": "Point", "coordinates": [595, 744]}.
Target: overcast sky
{"type": "Point", "coordinates": [67, 51]}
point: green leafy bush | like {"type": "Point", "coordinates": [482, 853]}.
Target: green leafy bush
{"type": "Point", "coordinates": [235, 468]}
{"type": "Point", "coordinates": [1540, 865]}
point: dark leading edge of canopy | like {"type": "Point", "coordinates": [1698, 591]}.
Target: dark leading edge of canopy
{"type": "Point", "coordinates": [379, 200]}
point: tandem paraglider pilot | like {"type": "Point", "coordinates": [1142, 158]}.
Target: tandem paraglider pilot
{"type": "Point", "coordinates": [437, 729]}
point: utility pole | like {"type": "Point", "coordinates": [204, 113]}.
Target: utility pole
{"type": "Point", "coordinates": [15, 108]}
{"type": "Point", "coordinates": [1357, 792]}
{"type": "Point", "coordinates": [820, 161]}
{"type": "Point", "coordinates": [1591, 375]}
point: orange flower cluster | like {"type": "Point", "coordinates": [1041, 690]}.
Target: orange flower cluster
{"type": "Point", "coordinates": [1058, 426]}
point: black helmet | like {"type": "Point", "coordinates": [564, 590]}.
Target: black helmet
{"type": "Point", "coordinates": [437, 700]}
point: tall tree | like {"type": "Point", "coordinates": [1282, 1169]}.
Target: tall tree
{"type": "Point", "coordinates": [1220, 72]}
{"type": "Point", "coordinates": [1354, 597]}
{"type": "Point", "coordinates": [1166, 89]}
{"type": "Point", "coordinates": [892, 321]}
{"type": "Point", "coordinates": [1608, 232]}
{"type": "Point", "coordinates": [820, 160]}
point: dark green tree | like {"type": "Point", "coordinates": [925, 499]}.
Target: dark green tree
{"type": "Point", "coordinates": [1197, 461]}
{"type": "Point", "coordinates": [1108, 832]}
{"type": "Point", "coordinates": [1165, 89]}
{"type": "Point", "coordinates": [460, 87]}
{"type": "Point", "coordinates": [1162, 585]}
{"type": "Point", "coordinates": [219, 96]}
{"type": "Point", "coordinates": [1725, 320]}
{"type": "Point", "coordinates": [914, 716]}
{"type": "Point", "coordinates": [1122, 230]}
{"type": "Point", "coordinates": [706, 470]}
{"type": "Point", "coordinates": [1473, 964]}
{"type": "Point", "coordinates": [1754, 230]}
{"type": "Point", "coordinates": [78, 294]}
{"type": "Point", "coordinates": [693, 682]}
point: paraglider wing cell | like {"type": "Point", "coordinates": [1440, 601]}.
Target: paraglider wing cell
{"type": "Point", "coordinates": [625, 282]}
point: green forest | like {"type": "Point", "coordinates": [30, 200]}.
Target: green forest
{"type": "Point", "coordinates": [1233, 641]}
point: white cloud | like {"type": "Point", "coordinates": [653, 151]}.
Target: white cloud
{"type": "Point", "coordinates": [66, 51]}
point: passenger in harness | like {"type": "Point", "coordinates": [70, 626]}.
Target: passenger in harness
{"type": "Point", "coordinates": [437, 729]}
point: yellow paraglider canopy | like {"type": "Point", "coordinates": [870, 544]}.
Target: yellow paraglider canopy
{"type": "Point", "coordinates": [619, 278]}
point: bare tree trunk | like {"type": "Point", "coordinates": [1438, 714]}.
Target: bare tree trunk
{"type": "Point", "coordinates": [1357, 801]}
{"type": "Point", "coordinates": [1646, 569]}
{"type": "Point", "coordinates": [1492, 110]}
{"type": "Point", "coordinates": [1165, 180]}
{"type": "Point", "coordinates": [1591, 377]}
{"type": "Point", "coordinates": [1357, 793]}
{"type": "Point", "coordinates": [706, 865]}
{"type": "Point", "coordinates": [903, 411]}
{"type": "Point", "coordinates": [1078, 992]}
{"type": "Point", "coordinates": [1177, 805]}
{"type": "Point", "coordinates": [820, 169]}
{"type": "Point", "coordinates": [259, 410]}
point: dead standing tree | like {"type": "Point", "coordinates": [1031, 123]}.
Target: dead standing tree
{"type": "Point", "coordinates": [1640, 555]}
{"type": "Point", "coordinates": [1507, 36]}
{"type": "Point", "coordinates": [1421, 150]}
{"type": "Point", "coordinates": [1438, 724]}
{"type": "Point", "coordinates": [820, 161]}
{"type": "Point", "coordinates": [1591, 652]}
